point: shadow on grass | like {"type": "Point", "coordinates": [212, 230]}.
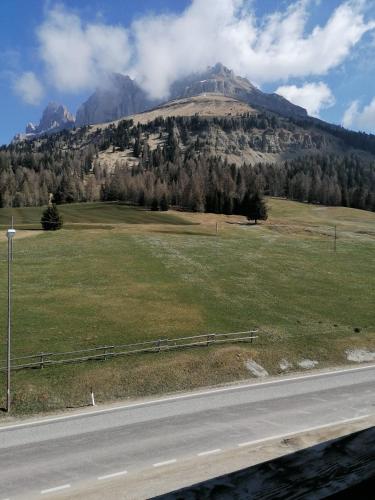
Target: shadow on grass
{"type": "Point", "coordinates": [248, 224]}
{"type": "Point", "coordinates": [184, 233]}
{"type": "Point", "coordinates": [76, 227]}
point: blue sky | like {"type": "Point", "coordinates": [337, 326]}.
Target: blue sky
{"type": "Point", "coordinates": [317, 53]}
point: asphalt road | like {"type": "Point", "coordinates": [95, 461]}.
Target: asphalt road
{"type": "Point", "coordinates": [47, 456]}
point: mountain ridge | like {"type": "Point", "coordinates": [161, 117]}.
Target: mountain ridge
{"type": "Point", "coordinates": [122, 96]}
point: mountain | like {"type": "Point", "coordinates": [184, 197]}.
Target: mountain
{"type": "Point", "coordinates": [121, 96]}
{"type": "Point", "coordinates": [219, 79]}
{"type": "Point", "coordinates": [124, 97]}
{"type": "Point", "coordinates": [203, 153]}
{"type": "Point", "coordinates": [225, 127]}
{"type": "Point", "coordinates": [55, 117]}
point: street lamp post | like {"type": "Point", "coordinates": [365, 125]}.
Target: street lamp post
{"type": "Point", "coordinates": [10, 234]}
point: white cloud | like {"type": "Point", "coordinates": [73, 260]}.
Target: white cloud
{"type": "Point", "coordinates": [267, 50]}
{"type": "Point", "coordinates": [78, 56]}
{"type": "Point", "coordinates": [312, 96]}
{"type": "Point", "coordinates": [29, 88]}
{"type": "Point", "coordinates": [362, 119]}
{"type": "Point", "coordinates": [158, 49]}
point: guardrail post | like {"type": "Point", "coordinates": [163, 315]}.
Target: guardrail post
{"type": "Point", "coordinates": [210, 339]}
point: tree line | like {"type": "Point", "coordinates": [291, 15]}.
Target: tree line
{"type": "Point", "coordinates": [211, 184]}
{"type": "Point", "coordinates": [181, 171]}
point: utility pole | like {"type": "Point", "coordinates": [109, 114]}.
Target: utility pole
{"type": "Point", "coordinates": [10, 234]}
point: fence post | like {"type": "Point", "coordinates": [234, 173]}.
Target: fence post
{"type": "Point", "coordinates": [210, 338]}
{"type": "Point", "coordinates": [41, 360]}
{"type": "Point", "coordinates": [105, 353]}
{"type": "Point", "coordinates": [92, 397]}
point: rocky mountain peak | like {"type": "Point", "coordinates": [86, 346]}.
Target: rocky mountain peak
{"type": "Point", "coordinates": [30, 128]}
{"type": "Point", "coordinates": [222, 80]}
{"type": "Point", "coordinates": [220, 70]}
{"type": "Point", "coordinates": [55, 117]}
{"type": "Point", "coordinates": [120, 96]}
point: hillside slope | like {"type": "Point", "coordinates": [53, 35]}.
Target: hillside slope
{"type": "Point", "coordinates": [280, 141]}
{"type": "Point", "coordinates": [203, 152]}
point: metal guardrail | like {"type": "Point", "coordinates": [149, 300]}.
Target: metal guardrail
{"type": "Point", "coordinates": [43, 359]}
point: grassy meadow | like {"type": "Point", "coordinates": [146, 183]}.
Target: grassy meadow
{"type": "Point", "coordinates": [128, 275]}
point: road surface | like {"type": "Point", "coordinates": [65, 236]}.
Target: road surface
{"type": "Point", "coordinates": [41, 458]}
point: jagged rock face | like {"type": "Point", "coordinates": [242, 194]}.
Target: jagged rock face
{"type": "Point", "coordinates": [55, 117]}
{"type": "Point", "coordinates": [30, 128]}
{"type": "Point", "coordinates": [121, 97]}
{"type": "Point", "coordinates": [124, 97]}
{"type": "Point", "coordinates": [220, 79]}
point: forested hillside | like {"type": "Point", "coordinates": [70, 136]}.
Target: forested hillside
{"type": "Point", "coordinates": [196, 163]}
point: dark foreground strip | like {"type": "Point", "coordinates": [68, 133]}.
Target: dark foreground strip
{"type": "Point", "coordinates": [341, 468]}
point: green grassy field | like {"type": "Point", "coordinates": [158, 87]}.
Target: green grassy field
{"type": "Point", "coordinates": [134, 275]}
{"type": "Point", "coordinates": [77, 215]}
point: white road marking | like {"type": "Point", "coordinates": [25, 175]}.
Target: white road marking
{"type": "Point", "coordinates": [56, 488]}
{"type": "Point", "coordinates": [269, 422]}
{"type": "Point", "coordinates": [319, 399]}
{"type": "Point", "coordinates": [209, 452]}
{"type": "Point", "coordinates": [114, 474]}
{"type": "Point", "coordinates": [309, 429]}
{"type": "Point", "coordinates": [186, 396]}
{"type": "Point", "coordinates": [167, 462]}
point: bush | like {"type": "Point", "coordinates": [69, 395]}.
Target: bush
{"type": "Point", "coordinates": [51, 219]}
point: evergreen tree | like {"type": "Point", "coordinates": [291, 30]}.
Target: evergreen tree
{"type": "Point", "coordinates": [164, 205]}
{"type": "Point", "coordinates": [51, 219]}
{"type": "Point", "coordinates": [154, 204]}
{"type": "Point", "coordinates": [255, 207]}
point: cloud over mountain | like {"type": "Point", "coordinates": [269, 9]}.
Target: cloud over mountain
{"type": "Point", "coordinates": [362, 119]}
{"type": "Point", "coordinates": [264, 50]}
{"type": "Point", "coordinates": [159, 48]}
{"type": "Point", "coordinates": [76, 55]}
{"type": "Point", "coordinates": [29, 88]}
{"type": "Point", "coordinates": [312, 96]}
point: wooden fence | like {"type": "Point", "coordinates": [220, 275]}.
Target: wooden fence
{"type": "Point", "coordinates": [102, 353]}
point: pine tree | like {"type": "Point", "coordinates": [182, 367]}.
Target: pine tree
{"type": "Point", "coordinates": [155, 204]}
{"type": "Point", "coordinates": [254, 207]}
{"type": "Point", "coordinates": [164, 205]}
{"type": "Point", "coordinates": [51, 219]}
